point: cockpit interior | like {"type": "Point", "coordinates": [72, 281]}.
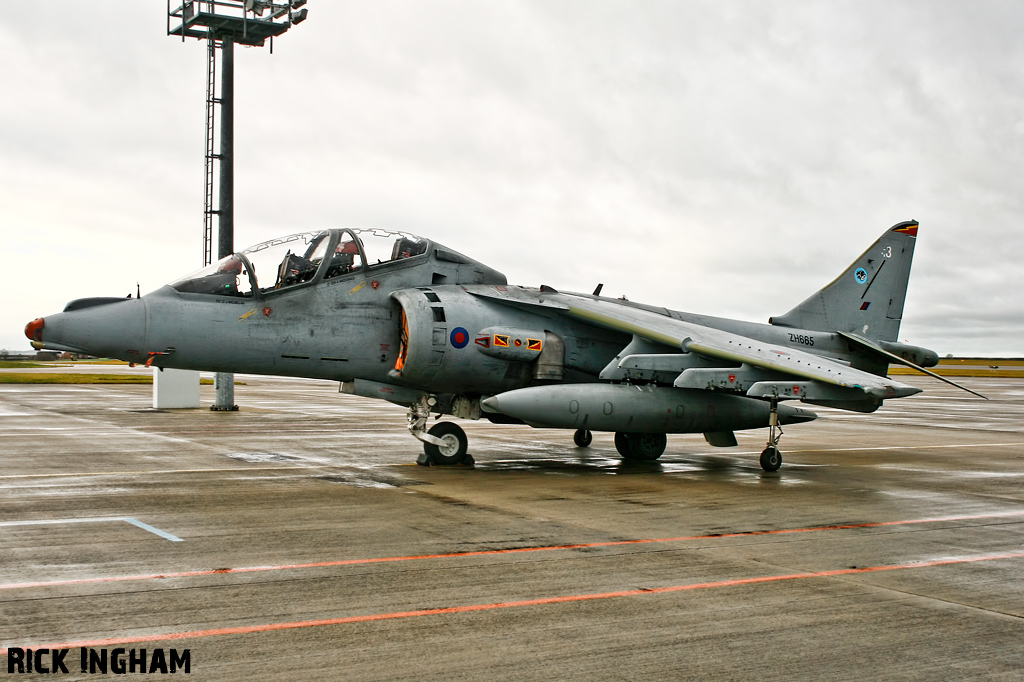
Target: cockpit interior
{"type": "Point", "coordinates": [288, 262]}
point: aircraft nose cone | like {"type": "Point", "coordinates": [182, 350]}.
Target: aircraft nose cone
{"type": "Point", "coordinates": [34, 329]}
{"type": "Point", "coordinates": [106, 330]}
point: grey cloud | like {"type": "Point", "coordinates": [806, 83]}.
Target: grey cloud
{"type": "Point", "coordinates": [726, 158]}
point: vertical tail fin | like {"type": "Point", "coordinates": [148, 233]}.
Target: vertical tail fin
{"type": "Point", "coordinates": [867, 299]}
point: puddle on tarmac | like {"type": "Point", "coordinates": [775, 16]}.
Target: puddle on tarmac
{"type": "Point", "coordinates": [716, 466]}
{"type": "Point", "coordinates": [271, 457]}
{"type": "Point", "coordinates": [362, 481]}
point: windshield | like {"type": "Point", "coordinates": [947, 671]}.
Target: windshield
{"type": "Point", "coordinates": [227, 277]}
{"type": "Point", "coordinates": [296, 259]}
{"type": "Point", "coordinates": [372, 247]}
{"type": "Point", "coordinates": [275, 264]}
{"type": "Point", "coordinates": [287, 261]}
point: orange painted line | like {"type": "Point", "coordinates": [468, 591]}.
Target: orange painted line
{"type": "Point", "coordinates": [493, 552]}
{"type": "Point", "coordinates": [269, 627]}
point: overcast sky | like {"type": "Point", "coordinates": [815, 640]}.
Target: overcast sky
{"type": "Point", "coordinates": [726, 158]}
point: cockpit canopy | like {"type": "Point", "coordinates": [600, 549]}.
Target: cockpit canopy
{"type": "Point", "coordinates": [290, 261]}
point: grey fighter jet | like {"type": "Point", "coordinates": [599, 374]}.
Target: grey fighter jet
{"type": "Point", "coordinates": [394, 316]}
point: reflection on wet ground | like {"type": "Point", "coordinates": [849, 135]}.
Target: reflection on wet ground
{"type": "Point", "coordinates": [613, 465]}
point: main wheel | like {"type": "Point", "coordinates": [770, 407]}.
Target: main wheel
{"type": "Point", "coordinates": [454, 447]}
{"type": "Point", "coordinates": [771, 458]}
{"type": "Point", "coordinates": [640, 447]}
{"type": "Point", "coordinates": [583, 438]}
{"type": "Point", "coordinates": [622, 444]}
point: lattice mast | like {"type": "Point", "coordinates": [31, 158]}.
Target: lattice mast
{"type": "Point", "coordinates": [222, 23]}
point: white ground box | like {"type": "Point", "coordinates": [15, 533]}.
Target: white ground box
{"type": "Point", "coordinates": [175, 388]}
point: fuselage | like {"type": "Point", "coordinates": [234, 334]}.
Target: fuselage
{"type": "Point", "coordinates": [426, 318]}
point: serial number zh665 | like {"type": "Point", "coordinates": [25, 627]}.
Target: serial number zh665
{"type": "Point", "coordinates": [800, 338]}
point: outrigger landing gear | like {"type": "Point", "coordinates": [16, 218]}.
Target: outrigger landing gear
{"type": "Point", "coordinates": [444, 443]}
{"type": "Point", "coordinates": [771, 458]}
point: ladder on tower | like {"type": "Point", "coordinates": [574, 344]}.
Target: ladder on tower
{"type": "Point", "coordinates": [212, 101]}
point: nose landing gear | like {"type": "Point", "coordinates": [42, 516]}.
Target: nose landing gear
{"type": "Point", "coordinates": [444, 442]}
{"type": "Point", "coordinates": [453, 446]}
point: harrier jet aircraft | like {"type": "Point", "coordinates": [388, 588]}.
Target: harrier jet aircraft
{"type": "Point", "coordinates": [394, 316]}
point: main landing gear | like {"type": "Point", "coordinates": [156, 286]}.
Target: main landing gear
{"type": "Point", "coordinates": [640, 447]}
{"type": "Point", "coordinates": [771, 458]}
{"type": "Point", "coordinates": [635, 447]}
{"type": "Point", "coordinates": [443, 443]}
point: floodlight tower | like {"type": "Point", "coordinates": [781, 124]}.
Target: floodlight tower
{"type": "Point", "coordinates": [222, 23]}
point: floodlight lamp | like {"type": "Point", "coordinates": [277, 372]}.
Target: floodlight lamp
{"type": "Point", "coordinates": [297, 3]}
{"type": "Point", "coordinates": [300, 16]}
{"type": "Point", "coordinates": [255, 6]}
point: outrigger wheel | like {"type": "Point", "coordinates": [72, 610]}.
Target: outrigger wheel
{"type": "Point", "coordinates": [453, 450]}
{"type": "Point", "coordinates": [771, 458]}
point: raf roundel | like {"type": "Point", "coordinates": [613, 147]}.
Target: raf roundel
{"type": "Point", "coordinates": [459, 337]}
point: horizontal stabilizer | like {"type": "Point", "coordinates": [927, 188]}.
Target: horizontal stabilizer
{"type": "Point", "coordinates": [867, 344]}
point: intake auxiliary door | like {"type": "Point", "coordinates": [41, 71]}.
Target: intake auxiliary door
{"type": "Point", "coordinates": [424, 336]}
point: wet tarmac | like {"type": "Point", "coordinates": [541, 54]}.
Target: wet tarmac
{"type": "Point", "coordinates": [296, 539]}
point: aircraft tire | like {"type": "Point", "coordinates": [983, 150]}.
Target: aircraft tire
{"type": "Point", "coordinates": [640, 447]}
{"type": "Point", "coordinates": [583, 438]}
{"type": "Point", "coordinates": [455, 447]}
{"type": "Point", "coordinates": [622, 444]}
{"type": "Point", "coordinates": [771, 458]}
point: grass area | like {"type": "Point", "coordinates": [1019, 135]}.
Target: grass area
{"type": "Point", "coordinates": [54, 378]}
{"type": "Point", "coordinates": [1007, 368]}
{"type": "Point", "coordinates": [1012, 368]}
{"type": "Point", "coordinates": [99, 361]}
{"type": "Point", "coordinates": [21, 364]}
{"type": "Point", "coordinates": [946, 371]}
{"type": "Point", "coordinates": [986, 362]}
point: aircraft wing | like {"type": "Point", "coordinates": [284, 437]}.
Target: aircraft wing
{"type": "Point", "coordinates": [805, 375]}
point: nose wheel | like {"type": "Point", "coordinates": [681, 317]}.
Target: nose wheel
{"type": "Point", "coordinates": [453, 445]}
{"type": "Point", "coordinates": [771, 457]}
{"type": "Point", "coordinates": [444, 442]}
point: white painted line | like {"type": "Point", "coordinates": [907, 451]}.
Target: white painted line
{"type": "Point", "coordinates": [151, 529]}
{"type": "Point", "coordinates": [147, 473]}
{"type": "Point", "coordinates": [134, 522]}
{"type": "Point", "coordinates": [912, 447]}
